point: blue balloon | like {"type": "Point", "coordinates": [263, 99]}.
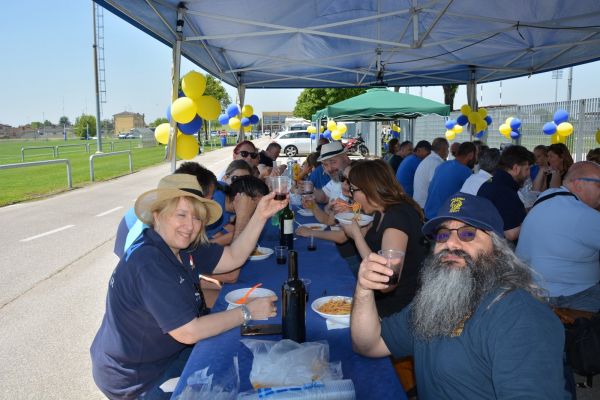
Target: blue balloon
{"type": "Point", "coordinates": [245, 121]}
{"type": "Point", "coordinates": [181, 94]}
{"type": "Point", "coordinates": [480, 134]}
{"type": "Point", "coordinates": [450, 124]}
{"type": "Point", "coordinates": [233, 110]}
{"type": "Point", "coordinates": [321, 136]}
{"type": "Point", "coordinates": [462, 120]}
{"type": "Point", "coordinates": [515, 135]}
{"type": "Point", "coordinates": [515, 124]}
{"type": "Point", "coordinates": [169, 113]}
{"type": "Point", "coordinates": [395, 135]}
{"type": "Point", "coordinates": [488, 119]}
{"type": "Point", "coordinates": [549, 128]}
{"type": "Point", "coordinates": [327, 134]}
{"type": "Point", "coordinates": [191, 127]}
{"type": "Point", "coordinates": [254, 119]}
{"type": "Point", "coordinates": [312, 136]}
{"type": "Point", "coordinates": [223, 119]}
{"type": "Point", "coordinates": [560, 116]}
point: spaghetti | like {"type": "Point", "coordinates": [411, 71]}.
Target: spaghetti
{"type": "Point", "coordinates": [336, 306]}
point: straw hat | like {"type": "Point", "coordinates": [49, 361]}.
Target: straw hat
{"type": "Point", "coordinates": [331, 149]}
{"type": "Point", "coordinates": [171, 187]}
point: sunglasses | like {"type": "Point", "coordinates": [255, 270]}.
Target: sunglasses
{"type": "Point", "coordinates": [353, 189]}
{"type": "Point", "coordinates": [234, 177]}
{"type": "Point", "coordinates": [465, 234]}
{"type": "Point", "coordinates": [245, 154]}
{"type": "Point", "coordinates": [597, 180]}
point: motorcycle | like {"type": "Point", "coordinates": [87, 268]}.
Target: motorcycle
{"type": "Point", "coordinates": [357, 146]}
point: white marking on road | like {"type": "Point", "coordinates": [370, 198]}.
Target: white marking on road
{"type": "Point", "coordinates": [109, 211]}
{"type": "Point", "coordinates": [47, 233]}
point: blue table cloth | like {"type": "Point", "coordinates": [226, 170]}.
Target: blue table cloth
{"type": "Point", "coordinates": [330, 275]}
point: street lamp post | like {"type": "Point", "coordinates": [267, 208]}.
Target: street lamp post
{"type": "Point", "coordinates": [557, 74]}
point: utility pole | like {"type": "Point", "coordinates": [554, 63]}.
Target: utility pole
{"type": "Point", "coordinates": [557, 74]}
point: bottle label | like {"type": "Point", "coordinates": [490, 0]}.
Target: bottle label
{"type": "Point", "coordinates": [288, 226]}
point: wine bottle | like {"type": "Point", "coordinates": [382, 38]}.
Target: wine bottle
{"type": "Point", "coordinates": [286, 228]}
{"type": "Point", "coordinates": [293, 300]}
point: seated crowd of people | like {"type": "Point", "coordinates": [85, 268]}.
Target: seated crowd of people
{"type": "Point", "coordinates": [490, 240]}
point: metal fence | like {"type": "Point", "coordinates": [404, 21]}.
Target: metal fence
{"type": "Point", "coordinates": [584, 115]}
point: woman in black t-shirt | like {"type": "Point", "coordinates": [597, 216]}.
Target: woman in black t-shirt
{"type": "Point", "coordinates": [396, 225]}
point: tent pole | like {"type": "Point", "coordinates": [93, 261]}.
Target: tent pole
{"type": "Point", "coordinates": [472, 100]}
{"type": "Point", "coordinates": [241, 95]}
{"type": "Point", "coordinates": [172, 146]}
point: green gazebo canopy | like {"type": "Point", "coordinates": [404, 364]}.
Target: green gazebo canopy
{"type": "Point", "coordinates": [380, 104]}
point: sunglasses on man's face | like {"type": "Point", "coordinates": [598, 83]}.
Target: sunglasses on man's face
{"type": "Point", "coordinates": [465, 234]}
{"type": "Point", "coordinates": [245, 154]}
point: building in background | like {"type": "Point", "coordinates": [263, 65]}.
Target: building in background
{"type": "Point", "coordinates": [126, 121]}
{"type": "Point", "coordinates": [274, 121]}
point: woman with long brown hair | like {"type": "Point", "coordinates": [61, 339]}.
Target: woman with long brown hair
{"type": "Point", "coordinates": [559, 162]}
{"type": "Point", "coordinates": [396, 225]}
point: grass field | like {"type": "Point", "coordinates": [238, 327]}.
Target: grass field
{"type": "Point", "coordinates": [21, 184]}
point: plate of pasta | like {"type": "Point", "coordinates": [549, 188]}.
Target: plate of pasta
{"type": "Point", "coordinates": [260, 253]}
{"type": "Point", "coordinates": [347, 218]}
{"type": "Point", "coordinates": [334, 308]}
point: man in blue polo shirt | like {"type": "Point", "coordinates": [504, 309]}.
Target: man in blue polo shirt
{"type": "Point", "coordinates": [502, 190]}
{"type": "Point", "coordinates": [406, 171]}
{"type": "Point", "coordinates": [477, 328]}
{"type": "Point", "coordinates": [449, 177]}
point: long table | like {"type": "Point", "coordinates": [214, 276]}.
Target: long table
{"type": "Point", "coordinates": [330, 275]}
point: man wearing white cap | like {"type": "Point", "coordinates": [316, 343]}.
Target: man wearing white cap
{"type": "Point", "coordinates": [334, 160]}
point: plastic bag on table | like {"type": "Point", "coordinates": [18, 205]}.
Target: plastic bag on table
{"type": "Point", "coordinates": [287, 363]}
{"type": "Point", "coordinates": [317, 390]}
{"type": "Point", "coordinates": [200, 385]}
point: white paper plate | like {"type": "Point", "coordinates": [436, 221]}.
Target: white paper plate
{"type": "Point", "coordinates": [346, 218]}
{"type": "Point", "coordinates": [340, 319]}
{"type": "Point", "coordinates": [266, 252]}
{"type": "Point", "coordinates": [237, 294]}
{"type": "Point", "coordinates": [305, 213]}
{"type": "Point", "coordinates": [335, 227]}
{"type": "Point", "coordinates": [315, 226]}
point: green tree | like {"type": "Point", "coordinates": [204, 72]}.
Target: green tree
{"type": "Point", "coordinates": [157, 122]}
{"type": "Point", "coordinates": [449, 93]}
{"type": "Point", "coordinates": [83, 123]}
{"type": "Point", "coordinates": [36, 124]}
{"type": "Point", "coordinates": [312, 100]}
{"type": "Point", "coordinates": [64, 120]}
{"type": "Point", "coordinates": [215, 89]}
{"type": "Point", "coordinates": [47, 123]}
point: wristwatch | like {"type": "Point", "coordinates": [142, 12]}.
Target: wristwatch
{"type": "Point", "coordinates": [246, 313]}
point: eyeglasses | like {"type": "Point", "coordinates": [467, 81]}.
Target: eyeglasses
{"type": "Point", "coordinates": [352, 189]}
{"type": "Point", "coordinates": [465, 234]}
{"type": "Point", "coordinates": [234, 177]}
{"type": "Point", "coordinates": [245, 154]}
{"type": "Point", "coordinates": [597, 180]}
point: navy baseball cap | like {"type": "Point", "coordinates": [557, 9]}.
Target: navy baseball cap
{"type": "Point", "coordinates": [472, 210]}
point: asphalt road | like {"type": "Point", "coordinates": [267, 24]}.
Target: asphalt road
{"type": "Point", "coordinates": [54, 269]}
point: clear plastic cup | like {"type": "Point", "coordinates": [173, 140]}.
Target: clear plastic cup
{"type": "Point", "coordinates": [395, 262]}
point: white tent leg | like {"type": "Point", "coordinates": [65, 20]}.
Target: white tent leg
{"type": "Point", "coordinates": [472, 100]}
{"type": "Point", "coordinates": [172, 147]}
{"type": "Point", "coordinates": [242, 97]}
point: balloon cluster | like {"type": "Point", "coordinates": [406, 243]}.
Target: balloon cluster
{"type": "Point", "coordinates": [334, 130]}
{"type": "Point", "coordinates": [559, 128]}
{"type": "Point", "coordinates": [396, 131]}
{"type": "Point", "coordinates": [234, 117]}
{"type": "Point", "coordinates": [511, 128]}
{"type": "Point", "coordinates": [479, 119]}
{"type": "Point", "coordinates": [188, 111]}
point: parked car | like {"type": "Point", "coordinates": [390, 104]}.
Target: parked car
{"type": "Point", "coordinates": [294, 143]}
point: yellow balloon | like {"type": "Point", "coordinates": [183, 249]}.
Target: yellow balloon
{"type": "Point", "coordinates": [564, 129]}
{"type": "Point", "coordinates": [505, 130]}
{"type": "Point", "coordinates": [208, 107]}
{"type": "Point", "coordinates": [465, 109]}
{"type": "Point", "coordinates": [336, 135]}
{"type": "Point", "coordinates": [187, 147]}
{"type": "Point", "coordinates": [311, 129]}
{"type": "Point", "coordinates": [342, 128]}
{"type": "Point", "coordinates": [474, 117]}
{"type": "Point", "coordinates": [183, 110]}
{"type": "Point", "coordinates": [457, 128]}
{"type": "Point", "coordinates": [161, 133]}
{"type": "Point", "coordinates": [482, 112]}
{"type": "Point", "coordinates": [450, 134]}
{"type": "Point", "coordinates": [235, 123]}
{"type": "Point", "coordinates": [556, 138]}
{"type": "Point", "coordinates": [193, 84]}
{"type": "Point", "coordinates": [509, 120]}
{"type": "Point", "coordinates": [331, 125]}
{"type": "Point", "coordinates": [398, 129]}
{"type": "Point", "coordinates": [598, 136]}
{"type": "Point", "coordinates": [247, 110]}
{"type": "Point", "coordinates": [480, 126]}
{"type": "Point", "coordinates": [248, 128]}
{"type": "Point", "coordinates": [322, 129]}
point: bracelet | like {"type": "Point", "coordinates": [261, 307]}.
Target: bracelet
{"type": "Point", "coordinates": [245, 313]}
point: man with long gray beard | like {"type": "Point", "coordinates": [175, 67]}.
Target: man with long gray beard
{"type": "Point", "coordinates": [476, 328]}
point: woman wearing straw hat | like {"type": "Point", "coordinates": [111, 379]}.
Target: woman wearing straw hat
{"type": "Point", "coordinates": [154, 307]}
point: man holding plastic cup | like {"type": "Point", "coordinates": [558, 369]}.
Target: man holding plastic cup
{"type": "Point", "coordinates": [478, 327]}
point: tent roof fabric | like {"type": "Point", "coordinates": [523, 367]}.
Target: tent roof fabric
{"type": "Point", "coordinates": [382, 105]}
{"type": "Point", "coordinates": [356, 43]}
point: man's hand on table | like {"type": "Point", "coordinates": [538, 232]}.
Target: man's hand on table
{"type": "Point", "coordinates": [262, 307]}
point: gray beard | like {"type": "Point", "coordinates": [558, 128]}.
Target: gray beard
{"type": "Point", "coordinates": [450, 294]}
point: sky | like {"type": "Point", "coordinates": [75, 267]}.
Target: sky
{"type": "Point", "coordinates": [47, 70]}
